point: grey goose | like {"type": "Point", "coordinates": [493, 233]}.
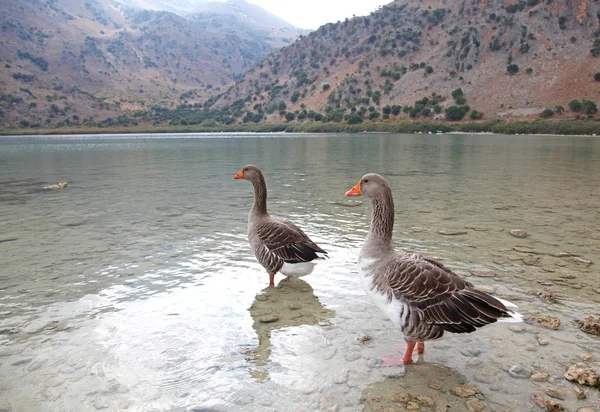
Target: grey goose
{"type": "Point", "coordinates": [419, 295]}
{"type": "Point", "coordinates": [278, 244]}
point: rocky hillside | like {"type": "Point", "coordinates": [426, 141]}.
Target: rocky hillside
{"type": "Point", "coordinates": [477, 58]}
{"type": "Point", "coordinates": [68, 62]}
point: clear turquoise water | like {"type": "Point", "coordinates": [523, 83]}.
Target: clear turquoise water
{"type": "Point", "coordinates": [133, 287]}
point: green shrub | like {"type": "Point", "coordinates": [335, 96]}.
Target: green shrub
{"type": "Point", "coordinates": [575, 105]}
{"type": "Point", "coordinates": [547, 113]}
{"type": "Point", "coordinates": [589, 107]}
{"type": "Point", "coordinates": [597, 77]}
{"type": "Point", "coordinates": [475, 115]}
{"type": "Point", "coordinates": [512, 68]}
{"type": "Point", "coordinates": [455, 113]}
{"type": "Point", "coordinates": [428, 69]}
{"type": "Point", "coordinates": [289, 116]}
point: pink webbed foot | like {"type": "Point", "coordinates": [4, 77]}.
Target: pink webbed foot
{"type": "Point", "coordinates": [392, 360]}
{"type": "Point", "coordinates": [286, 279]}
{"type": "Point", "coordinates": [396, 360]}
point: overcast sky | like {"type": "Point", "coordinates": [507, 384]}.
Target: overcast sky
{"type": "Point", "coordinates": [310, 14]}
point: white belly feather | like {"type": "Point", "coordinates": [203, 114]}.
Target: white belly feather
{"type": "Point", "coordinates": [297, 270]}
{"type": "Point", "coordinates": [395, 310]}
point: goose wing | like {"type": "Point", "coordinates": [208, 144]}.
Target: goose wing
{"type": "Point", "coordinates": [288, 242]}
{"type": "Point", "coordinates": [440, 295]}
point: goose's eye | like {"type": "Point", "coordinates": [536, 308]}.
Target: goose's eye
{"type": "Point", "coordinates": [365, 181]}
{"type": "Point", "coordinates": [245, 170]}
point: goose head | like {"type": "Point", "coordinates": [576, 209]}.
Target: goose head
{"type": "Point", "coordinates": [250, 173]}
{"type": "Point", "coordinates": [372, 186]}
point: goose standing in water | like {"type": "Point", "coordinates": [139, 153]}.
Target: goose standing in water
{"type": "Point", "coordinates": [419, 295]}
{"type": "Point", "coordinates": [279, 245]}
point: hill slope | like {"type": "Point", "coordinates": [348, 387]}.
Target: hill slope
{"type": "Point", "coordinates": [511, 59]}
{"type": "Point", "coordinates": [72, 62]}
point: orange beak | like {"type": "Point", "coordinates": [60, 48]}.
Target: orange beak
{"type": "Point", "coordinates": [240, 175]}
{"type": "Point", "coordinates": [355, 191]}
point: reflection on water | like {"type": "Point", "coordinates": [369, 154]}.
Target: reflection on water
{"type": "Point", "coordinates": [131, 289]}
{"type": "Point", "coordinates": [292, 303]}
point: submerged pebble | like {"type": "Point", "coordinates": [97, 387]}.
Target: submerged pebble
{"type": "Point", "coordinates": [519, 372]}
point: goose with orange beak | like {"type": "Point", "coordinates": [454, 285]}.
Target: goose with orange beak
{"type": "Point", "coordinates": [419, 295]}
{"type": "Point", "coordinates": [279, 245]}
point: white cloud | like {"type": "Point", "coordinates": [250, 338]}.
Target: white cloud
{"type": "Point", "coordinates": [310, 14]}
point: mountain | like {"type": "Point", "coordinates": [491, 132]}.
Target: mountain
{"type": "Point", "coordinates": [417, 58]}
{"type": "Point", "coordinates": [71, 62]}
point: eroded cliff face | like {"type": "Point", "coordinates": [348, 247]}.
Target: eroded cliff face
{"type": "Point", "coordinates": [409, 50]}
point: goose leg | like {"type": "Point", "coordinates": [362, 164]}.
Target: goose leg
{"type": "Point", "coordinates": [408, 354]}
{"type": "Point", "coordinates": [420, 347]}
{"type": "Point", "coordinates": [272, 279]}
{"type": "Point", "coordinates": [286, 279]}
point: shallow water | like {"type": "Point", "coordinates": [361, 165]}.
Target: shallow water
{"type": "Point", "coordinates": [135, 288]}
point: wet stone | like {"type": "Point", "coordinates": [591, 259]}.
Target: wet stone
{"type": "Point", "coordinates": [542, 339]}
{"type": "Point", "coordinates": [268, 318]}
{"type": "Point", "coordinates": [579, 392]}
{"type": "Point", "coordinates": [548, 296]}
{"type": "Point", "coordinates": [583, 374]}
{"type": "Point", "coordinates": [519, 233]}
{"type": "Point", "coordinates": [352, 356]}
{"type": "Point", "coordinates": [587, 356]}
{"type": "Point", "coordinates": [392, 371]}
{"type": "Point", "coordinates": [341, 377]}
{"type": "Point", "coordinates": [540, 377]}
{"type": "Point", "coordinates": [555, 393]}
{"type": "Point", "coordinates": [587, 408]}
{"type": "Point", "coordinates": [372, 362]}
{"type": "Point", "coordinates": [549, 322]}
{"type": "Point", "coordinates": [245, 400]}
{"type": "Point", "coordinates": [474, 405]}
{"type": "Point", "coordinates": [5, 406]}
{"type": "Point", "coordinates": [516, 328]}
{"type": "Point", "coordinates": [262, 298]}
{"type": "Point", "coordinates": [470, 352]}
{"type": "Point", "coordinates": [425, 401]}
{"type": "Point", "coordinates": [481, 378]}
{"type": "Point", "coordinates": [434, 384]}
{"type": "Point", "coordinates": [401, 398]}
{"type": "Point", "coordinates": [474, 362]}
{"type": "Point", "coordinates": [295, 306]}
{"type": "Point", "coordinates": [328, 405]}
{"type": "Point", "coordinates": [519, 372]}
{"type": "Point", "coordinates": [22, 362]}
{"type": "Point", "coordinates": [464, 391]}
{"type": "Point", "coordinates": [364, 338]}
{"type": "Point", "coordinates": [101, 403]}
{"type": "Point", "coordinates": [412, 406]}
{"type": "Point", "coordinates": [329, 353]}
{"type": "Point", "coordinates": [591, 325]}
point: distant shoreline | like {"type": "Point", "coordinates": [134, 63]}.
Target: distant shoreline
{"type": "Point", "coordinates": [540, 127]}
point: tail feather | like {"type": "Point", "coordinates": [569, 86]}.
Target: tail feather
{"type": "Point", "coordinates": [515, 317]}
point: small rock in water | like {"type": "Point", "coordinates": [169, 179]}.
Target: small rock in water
{"type": "Point", "coordinates": [401, 398]}
{"type": "Point", "coordinates": [591, 325]}
{"type": "Point", "coordinates": [268, 318]}
{"type": "Point", "coordinates": [101, 403]}
{"type": "Point", "coordinates": [474, 362]}
{"type": "Point", "coordinates": [518, 371]}
{"type": "Point", "coordinates": [425, 401]}
{"type": "Point", "coordinates": [341, 377]}
{"type": "Point", "coordinates": [549, 322]}
{"type": "Point", "coordinates": [364, 338]}
{"type": "Point", "coordinates": [262, 298]}
{"type": "Point", "coordinates": [470, 351]}
{"type": "Point", "coordinates": [583, 374]}
{"type": "Point", "coordinates": [328, 405]}
{"type": "Point", "coordinates": [580, 393]}
{"type": "Point", "coordinates": [464, 391]}
{"type": "Point", "coordinates": [555, 393]}
{"type": "Point", "coordinates": [519, 233]}
{"type": "Point", "coordinates": [542, 339]}
{"type": "Point", "coordinates": [587, 408]}
{"type": "Point", "coordinates": [433, 384]}
{"type": "Point", "coordinates": [540, 377]}
{"type": "Point", "coordinates": [392, 371]}
{"type": "Point", "coordinates": [452, 232]}
{"type": "Point", "coordinates": [481, 378]}
{"type": "Point", "coordinates": [413, 406]}
{"type": "Point", "coordinates": [245, 400]}
{"type": "Point", "coordinates": [548, 296]}
{"type": "Point", "coordinates": [516, 328]}
{"type": "Point", "coordinates": [587, 356]}
{"type": "Point", "coordinates": [5, 406]}
{"type": "Point", "coordinates": [352, 356]}
{"type": "Point", "coordinates": [474, 405]}
{"type": "Point", "coordinates": [546, 403]}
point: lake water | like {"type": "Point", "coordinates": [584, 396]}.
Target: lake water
{"type": "Point", "coordinates": [135, 287]}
